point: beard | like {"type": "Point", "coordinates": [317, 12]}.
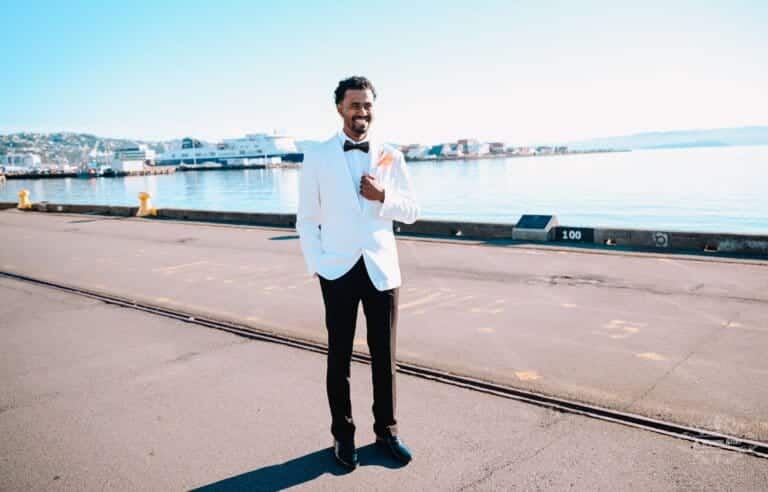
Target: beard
{"type": "Point", "coordinates": [359, 125]}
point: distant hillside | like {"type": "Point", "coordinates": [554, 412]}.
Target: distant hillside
{"type": "Point", "coordinates": [65, 147]}
{"type": "Point", "coordinates": [721, 137]}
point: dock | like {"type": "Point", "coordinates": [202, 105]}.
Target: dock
{"type": "Point", "coordinates": [123, 399]}
{"type": "Point", "coordinates": [149, 171]}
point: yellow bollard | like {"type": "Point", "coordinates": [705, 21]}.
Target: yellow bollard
{"type": "Point", "coordinates": [24, 202]}
{"type": "Point", "coordinates": [145, 205]}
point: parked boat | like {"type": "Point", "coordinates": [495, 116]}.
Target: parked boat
{"type": "Point", "coordinates": [95, 171]}
{"type": "Point", "coordinates": [238, 151]}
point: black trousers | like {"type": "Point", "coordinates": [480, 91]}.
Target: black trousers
{"type": "Point", "coordinates": [342, 298]}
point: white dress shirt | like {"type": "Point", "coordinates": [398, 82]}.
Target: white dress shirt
{"type": "Point", "coordinates": [357, 162]}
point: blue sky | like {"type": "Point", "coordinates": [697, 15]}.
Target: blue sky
{"type": "Point", "coordinates": [523, 72]}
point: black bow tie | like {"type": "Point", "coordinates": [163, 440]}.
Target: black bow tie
{"type": "Point", "coordinates": [352, 146]}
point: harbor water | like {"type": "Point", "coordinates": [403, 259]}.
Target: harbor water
{"type": "Point", "coordinates": [721, 189]}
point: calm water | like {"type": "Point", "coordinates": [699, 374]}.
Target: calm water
{"type": "Point", "coordinates": [709, 189]}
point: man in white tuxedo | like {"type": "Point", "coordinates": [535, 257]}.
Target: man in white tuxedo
{"type": "Point", "coordinates": [351, 189]}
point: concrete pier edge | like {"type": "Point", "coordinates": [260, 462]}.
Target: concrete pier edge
{"type": "Point", "coordinates": [658, 241]}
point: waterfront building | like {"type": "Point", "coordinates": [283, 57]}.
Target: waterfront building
{"type": "Point", "coordinates": [497, 147]}
{"type": "Point", "coordinates": [25, 160]}
{"type": "Point", "coordinates": [141, 153]}
{"type": "Point", "coordinates": [477, 149]}
{"type": "Point", "coordinates": [451, 150]}
{"type": "Point", "coordinates": [464, 144]}
{"type": "Point", "coordinates": [545, 150]}
{"type": "Point", "coordinates": [473, 147]}
{"type": "Point", "coordinates": [417, 152]}
{"type": "Point", "coordinates": [523, 151]}
{"type": "Point", "coordinates": [132, 158]}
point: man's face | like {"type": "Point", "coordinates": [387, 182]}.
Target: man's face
{"type": "Point", "coordinates": [356, 109]}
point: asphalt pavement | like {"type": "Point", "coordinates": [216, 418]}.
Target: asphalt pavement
{"type": "Point", "coordinates": [99, 397]}
{"type": "Point", "coordinates": [673, 337]}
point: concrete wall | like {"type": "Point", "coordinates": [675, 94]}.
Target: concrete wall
{"type": "Point", "coordinates": [114, 210]}
{"type": "Point", "coordinates": [647, 240]}
{"type": "Point", "coordinates": [474, 230]}
{"type": "Point", "coordinates": [277, 220]}
{"type": "Point", "coordinates": [705, 242]}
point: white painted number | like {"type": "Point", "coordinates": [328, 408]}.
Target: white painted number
{"type": "Point", "coordinates": [572, 235]}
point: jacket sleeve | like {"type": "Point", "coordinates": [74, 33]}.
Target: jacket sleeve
{"type": "Point", "coordinates": [308, 214]}
{"type": "Point", "coordinates": [399, 200]}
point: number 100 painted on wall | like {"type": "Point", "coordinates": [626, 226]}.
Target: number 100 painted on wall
{"type": "Point", "coordinates": [575, 234]}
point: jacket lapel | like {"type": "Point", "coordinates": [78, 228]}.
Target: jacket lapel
{"type": "Point", "coordinates": [373, 152]}
{"type": "Point", "coordinates": [373, 155]}
{"type": "Point", "coordinates": [338, 164]}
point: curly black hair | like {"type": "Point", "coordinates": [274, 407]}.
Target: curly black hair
{"type": "Point", "coordinates": [353, 83]}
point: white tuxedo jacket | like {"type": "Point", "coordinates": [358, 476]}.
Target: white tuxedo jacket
{"type": "Point", "coordinates": [335, 229]}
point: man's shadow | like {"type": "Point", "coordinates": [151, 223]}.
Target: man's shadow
{"type": "Point", "coordinates": [299, 470]}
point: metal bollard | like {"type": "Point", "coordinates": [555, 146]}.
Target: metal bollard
{"type": "Point", "coordinates": [145, 205]}
{"type": "Point", "coordinates": [24, 203]}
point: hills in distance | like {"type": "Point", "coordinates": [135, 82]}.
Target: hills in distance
{"type": "Point", "coordinates": [719, 137]}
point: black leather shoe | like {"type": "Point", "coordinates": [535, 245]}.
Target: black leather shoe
{"type": "Point", "coordinates": [396, 447]}
{"type": "Point", "coordinates": [345, 453]}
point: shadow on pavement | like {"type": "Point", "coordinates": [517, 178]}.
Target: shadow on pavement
{"type": "Point", "coordinates": [298, 471]}
{"type": "Point", "coordinates": [284, 238]}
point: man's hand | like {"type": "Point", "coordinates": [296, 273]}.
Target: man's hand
{"type": "Point", "coordinates": [371, 189]}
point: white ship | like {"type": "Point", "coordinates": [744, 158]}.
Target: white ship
{"type": "Point", "coordinates": [254, 148]}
